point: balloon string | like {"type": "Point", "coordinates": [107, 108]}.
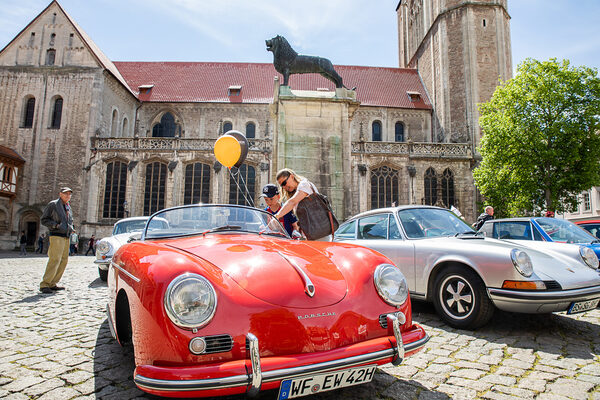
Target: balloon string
{"type": "Point", "coordinates": [248, 201]}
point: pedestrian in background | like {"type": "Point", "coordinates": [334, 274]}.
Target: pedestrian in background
{"type": "Point", "coordinates": [58, 218]}
{"type": "Point", "coordinates": [40, 244]}
{"type": "Point", "coordinates": [23, 243]}
{"type": "Point", "coordinates": [74, 240]}
{"type": "Point", "coordinates": [484, 216]}
{"type": "Point", "coordinates": [91, 246]}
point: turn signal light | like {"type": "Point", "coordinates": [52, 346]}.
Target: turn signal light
{"type": "Point", "coordinates": [524, 285]}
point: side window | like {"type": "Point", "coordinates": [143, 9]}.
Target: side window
{"type": "Point", "coordinates": [373, 227]}
{"type": "Point", "coordinates": [394, 230]}
{"type": "Point", "coordinates": [347, 231]}
{"type": "Point", "coordinates": [518, 230]}
{"type": "Point", "coordinates": [537, 235]}
{"type": "Point", "coordinates": [487, 229]}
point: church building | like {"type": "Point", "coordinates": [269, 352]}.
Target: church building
{"type": "Point", "coordinates": [131, 138]}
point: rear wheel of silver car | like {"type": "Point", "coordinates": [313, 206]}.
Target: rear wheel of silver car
{"type": "Point", "coordinates": [103, 274]}
{"type": "Point", "coordinates": [461, 300]}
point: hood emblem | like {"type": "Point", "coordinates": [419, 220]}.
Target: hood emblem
{"type": "Point", "coordinates": [309, 288]}
{"type": "Point", "coordinates": [570, 270]}
{"type": "Point", "coordinates": [317, 315]}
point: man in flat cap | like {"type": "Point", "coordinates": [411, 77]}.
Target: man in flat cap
{"type": "Point", "coordinates": [58, 218]}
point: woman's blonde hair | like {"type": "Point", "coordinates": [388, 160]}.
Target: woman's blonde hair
{"type": "Point", "coordinates": [286, 173]}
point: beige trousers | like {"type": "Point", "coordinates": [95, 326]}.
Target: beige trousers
{"type": "Point", "coordinates": [58, 255]}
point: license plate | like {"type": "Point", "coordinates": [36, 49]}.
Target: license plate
{"type": "Point", "coordinates": [582, 306]}
{"type": "Point", "coordinates": [311, 384]}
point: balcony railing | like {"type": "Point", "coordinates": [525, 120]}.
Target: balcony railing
{"type": "Point", "coordinates": [168, 144]}
{"type": "Point", "coordinates": [425, 150]}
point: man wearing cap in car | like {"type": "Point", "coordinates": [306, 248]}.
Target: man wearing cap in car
{"type": "Point", "coordinates": [289, 220]}
{"type": "Point", "coordinates": [58, 218]}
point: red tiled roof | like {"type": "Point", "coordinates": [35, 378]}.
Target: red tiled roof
{"type": "Point", "coordinates": [209, 82]}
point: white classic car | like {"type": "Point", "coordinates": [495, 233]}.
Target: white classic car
{"type": "Point", "coordinates": [467, 275]}
{"type": "Point", "coordinates": [123, 231]}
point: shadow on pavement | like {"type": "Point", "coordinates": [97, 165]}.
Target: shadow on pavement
{"type": "Point", "coordinates": [539, 332]}
{"type": "Point", "coordinates": [97, 283]}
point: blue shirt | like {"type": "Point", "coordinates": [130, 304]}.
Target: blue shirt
{"type": "Point", "coordinates": [287, 220]}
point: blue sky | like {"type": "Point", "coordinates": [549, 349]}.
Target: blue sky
{"type": "Point", "coordinates": [348, 32]}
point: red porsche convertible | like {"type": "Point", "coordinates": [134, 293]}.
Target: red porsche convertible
{"type": "Point", "coordinates": [219, 302]}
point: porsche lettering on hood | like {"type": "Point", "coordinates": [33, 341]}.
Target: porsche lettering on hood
{"type": "Point", "coordinates": [317, 315]}
{"type": "Point", "coordinates": [254, 264]}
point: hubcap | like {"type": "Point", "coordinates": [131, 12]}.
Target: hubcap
{"type": "Point", "coordinates": [456, 297]}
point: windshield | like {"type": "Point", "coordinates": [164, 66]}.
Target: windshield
{"type": "Point", "coordinates": [431, 222]}
{"type": "Point", "coordinates": [138, 225]}
{"type": "Point", "coordinates": [564, 231]}
{"type": "Point", "coordinates": [202, 219]}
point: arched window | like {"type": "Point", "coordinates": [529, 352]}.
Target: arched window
{"type": "Point", "coordinates": [430, 187]}
{"type": "Point", "coordinates": [384, 187]}
{"type": "Point", "coordinates": [376, 131]}
{"type": "Point", "coordinates": [154, 193]}
{"type": "Point", "coordinates": [125, 127]}
{"type": "Point", "coordinates": [250, 130]}
{"type": "Point", "coordinates": [246, 177]}
{"type": "Point", "coordinates": [56, 113]}
{"type": "Point", "coordinates": [166, 127]}
{"type": "Point", "coordinates": [197, 184]}
{"type": "Point", "coordinates": [399, 132]}
{"type": "Point", "coordinates": [227, 126]}
{"type": "Point", "coordinates": [28, 111]}
{"type": "Point", "coordinates": [50, 56]}
{"type": "Point", "coordinates": [114, 190]}
{"type": "Point", "coordinates": [113, 124]}
{"type": "Point", "coordinates": [448, 188]}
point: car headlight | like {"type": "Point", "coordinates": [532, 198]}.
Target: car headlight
{"type": "Point", "coordinates": [589, 257]}
{"type": "Point", "coordinates": [190, 301]}
{"type": "Point", "coordinates": [103, 248]}
{"type": "Point", "coordinates": [391, 284]}
{"type": "Point", "coordinates": [522, 262]}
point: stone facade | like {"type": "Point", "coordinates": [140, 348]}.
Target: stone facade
{"type": "Point", "coordinates": [327, 137]}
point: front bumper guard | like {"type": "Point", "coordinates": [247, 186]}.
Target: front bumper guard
{"type": "Point", "coordinates": [256, 377]}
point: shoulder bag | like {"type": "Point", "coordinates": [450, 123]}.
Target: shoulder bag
{"type": "Point", "coordinates": [315, 217]}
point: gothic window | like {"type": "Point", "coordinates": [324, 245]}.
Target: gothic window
{"type": "Point", "coordinates": [29, 109]}
{"type": "Point", "coordinates": [114, 190]}
{"type": "Point", "coordinates": [56, 113]}
{"type": "Point", "coordinates": [245, 177]}
{"type": "Point", "coordinates": [50, 56]}
{"type": "Point", "coordinates": [113, 124]}
{"type": "Point", "coordinates": [154, 193]}
{"type": "Point", "coordinates": [52, 38]}
{"type": "Point", "coordinates": [399, 132]}
{"type": "Point", "coordinates": [32, 39]}
{"type": "Point", "coordinates": [384, 187]}
{"type": "Point", "coordinates": [430, 187]}
{"type": "Point", "coordinates": [227, 126]}
{"type": "Point", "coordinates": [166, 127]}
{"type": "Point", "coordinates": [197, 184]}
{"type": "Point", "coordinates": [448, 188]}
{"type": "Point", "coordinates": [125, 127]}
{"type": "Point", "coordinates": [250, 130]}
{"type": "Point", "coordinates": [376, 131]}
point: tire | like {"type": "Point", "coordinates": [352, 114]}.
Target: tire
{"type": "Point", "coordinates": [460, 298]}
{"type": "Point", "coordinates": [103, 274]}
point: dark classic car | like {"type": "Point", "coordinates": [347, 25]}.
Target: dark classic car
{"type": "Point", "coordinates": [466, 275]}
{"type": "Point", "coordinates": [222, 301]}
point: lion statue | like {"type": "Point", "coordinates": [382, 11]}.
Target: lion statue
{"type": "Point", "coordinates": [288, 62]}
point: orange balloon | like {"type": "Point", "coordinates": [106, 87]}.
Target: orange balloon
{"type": "Point", "coordinates": [227, 150]}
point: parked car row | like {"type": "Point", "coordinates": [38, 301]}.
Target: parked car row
{"type": "Point", "coordinates": [219, 300]}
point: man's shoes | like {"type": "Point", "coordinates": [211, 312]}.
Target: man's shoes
{"type": "Point", "coordinates": [57, 288]}
{"type": "Point", "coordinates": [46, 290]}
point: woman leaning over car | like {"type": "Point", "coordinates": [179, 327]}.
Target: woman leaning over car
{"type": "Point", "coordinates": [294, 189]}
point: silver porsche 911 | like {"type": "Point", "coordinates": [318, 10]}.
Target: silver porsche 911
{"type": "Point", "coordinates": [466, 275]}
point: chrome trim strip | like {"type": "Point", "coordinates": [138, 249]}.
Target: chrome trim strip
{"type": "Point", "coordinates": [270, 376]}
{"type": "Point", "coordinates": [394, 323]}
{"type": "Point", "coordinates": [110, 323]}
{"type": "Point", "coordinates": [309, 288]}
{"type": "Point", "coordinates": [256, 380]}
{"type": "Point", "coordinates": [125, 272]}
{"type": "Point", "coordinates": [546, 295]}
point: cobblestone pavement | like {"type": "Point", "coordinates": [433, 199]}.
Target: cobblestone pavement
{"type": "Point", "coordinates": [59, 347]}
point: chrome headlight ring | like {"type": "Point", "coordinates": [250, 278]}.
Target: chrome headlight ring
{"type": "Point", "coordinates": [104, 247]}
{"type": "Point", "coordinates": [390, 284]}
{"type": "Point", "coordinates": [522, 262]}
{"type": "Point", "coordinates": [589, 257]}
{"type": "Point", "coordinates": [190, 301]}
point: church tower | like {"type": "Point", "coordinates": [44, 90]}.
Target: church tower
{"type": "Point", "coordinates": [461, 49]}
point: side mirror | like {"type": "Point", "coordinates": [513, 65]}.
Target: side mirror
{"type": "Point", "coordinates": [134, 236]}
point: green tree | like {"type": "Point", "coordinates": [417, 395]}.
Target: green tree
{"type": "Point", "coordinates": [541, 139]}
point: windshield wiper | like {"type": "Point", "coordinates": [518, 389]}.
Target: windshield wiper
{"type": "Point", "coordinates": [265, 231]}
{"type": "Point", "coordinates": [223, 228]}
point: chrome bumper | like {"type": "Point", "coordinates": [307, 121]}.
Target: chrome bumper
{"type": "Point", "coordinates": [255, 378]}
{"type": "Point", "coordinates": [542, 301]}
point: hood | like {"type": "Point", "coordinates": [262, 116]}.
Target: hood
{"type": "Point", "coordinates": [274, 270]}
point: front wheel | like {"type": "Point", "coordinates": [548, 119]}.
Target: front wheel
{"type": "Point", "coordinates": [103, 274]}
{"type": "Point", "coordinates": [461, 300]}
